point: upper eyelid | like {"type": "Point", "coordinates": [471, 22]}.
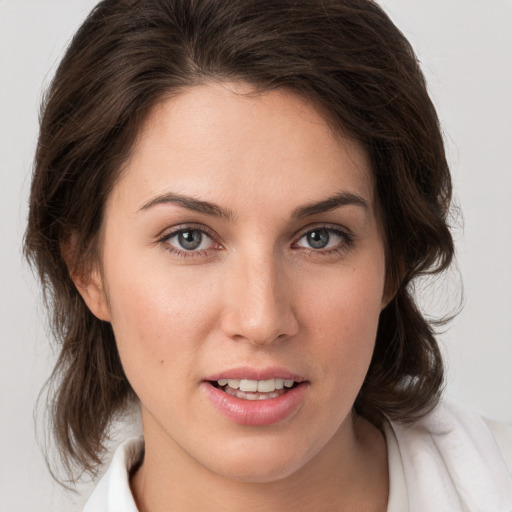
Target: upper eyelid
{"type": "Point", "coordinates": [174, 230]}
{"type": "Point", "coordinates": [346, 238]}
{"type": "Point", "coordinates": [330, 227]}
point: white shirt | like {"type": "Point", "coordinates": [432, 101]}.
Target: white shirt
{"type": "Point", "coordinates": [449, 461]}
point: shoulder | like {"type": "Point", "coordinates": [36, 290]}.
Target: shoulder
{"type": "Point", "coordinates": [502, 434]}
{"type": "Point", "coordinates": [113, 494]}
{"type": "Point", "coordinates": [454, 460]}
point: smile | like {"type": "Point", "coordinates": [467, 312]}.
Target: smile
{"type": "Point", "coordinates": [256, 397]}
{"type": "Point", "coordinates": [247, 389]}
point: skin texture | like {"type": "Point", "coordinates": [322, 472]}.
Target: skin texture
{"type": "Point", "coordinates": [254, 294]}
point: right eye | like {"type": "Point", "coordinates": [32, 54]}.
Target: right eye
{"type": "Point", "coordinates": [189, 241]}
{"type": "Point", "coordinates": [324, 238]}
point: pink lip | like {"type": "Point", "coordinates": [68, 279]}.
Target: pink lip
{"type": "Point", "coordinates": [246, 372]}
{"type": "Point", "coordinates": [256, 412]}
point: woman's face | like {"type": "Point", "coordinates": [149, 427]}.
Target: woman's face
{"type": "Point", "coordinates": [241, 254]}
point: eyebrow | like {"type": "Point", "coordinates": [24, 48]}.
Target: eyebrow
{"type": "Point", "coordinates": [190, 203]}
{"type": "Point", "coordinates": [331, 203]}
{"type": "Point", "coordinates": [214, 210]}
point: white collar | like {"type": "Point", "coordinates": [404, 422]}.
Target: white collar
{"type": "Point", "coordinates": [113, 493]}
{"type": "Point", "coordinates": [447, 461]}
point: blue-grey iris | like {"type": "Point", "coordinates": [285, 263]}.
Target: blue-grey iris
{"type": "Point", "coordinates": [190, 239]}
{"type": "Point", "coordinates": [318, 238]}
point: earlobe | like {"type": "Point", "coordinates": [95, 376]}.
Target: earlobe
{"type": "Point", "coordinates": [386, 299]}
{"type": "Point", "coordinates": [93, 292]}
{"type": "Point", "coordinates": [391, 286]}
{"type": "Point", "coordinates": [390, 291]}
{"type": "Point", "coordinates": [88, 281]}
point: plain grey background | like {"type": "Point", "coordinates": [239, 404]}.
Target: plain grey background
{"type": "Point", "coordinates": [465, 47]}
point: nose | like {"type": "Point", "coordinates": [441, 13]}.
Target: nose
{"type": "Point", "coordinates": [258, 304]}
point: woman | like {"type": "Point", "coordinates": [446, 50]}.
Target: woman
{"type": "Point", "coordinates": [229, 204]}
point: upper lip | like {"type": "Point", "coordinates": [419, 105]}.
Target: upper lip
{"type": "Point", "coordinates": [250, 373]}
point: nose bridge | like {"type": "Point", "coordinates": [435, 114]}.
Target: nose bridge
{"type": "Point", "coordinates": [260, 307]}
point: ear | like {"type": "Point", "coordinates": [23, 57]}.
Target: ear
{"type": "Point", "coordinates": [387, 297]}
{"type": "Point", "coordinates": [92, 290]}
{"type": "Point", "coordinates": [88, 281]}
{"type": "Point", "coordinates": [394, 277]}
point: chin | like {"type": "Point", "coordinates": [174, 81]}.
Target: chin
{"type": "Point", "coordinates": [259, 465]}
{"type": "Point", "coordinates": [248, 472]}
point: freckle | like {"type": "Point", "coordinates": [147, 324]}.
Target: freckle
{"type": "Point", "coordinates": [162, 361]}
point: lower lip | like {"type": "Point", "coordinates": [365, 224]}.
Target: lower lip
{"type": "Point", "coordinates": [257, 412]}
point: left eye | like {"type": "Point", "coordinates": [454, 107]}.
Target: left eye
{"type": "Point", "coordinates": [190, 240]}
{"type": "Point", "coordinates": [321, 238]}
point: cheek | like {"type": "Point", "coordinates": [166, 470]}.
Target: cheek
{"type": "Point", "coordinates": [343, 317]}
{"type": "Point", "coordinates": [159, 317]}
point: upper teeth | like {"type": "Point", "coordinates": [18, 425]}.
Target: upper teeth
{"type": "Point", "coordinates": [262, 386]}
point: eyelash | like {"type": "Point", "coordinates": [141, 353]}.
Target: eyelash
{"type": "Point", "coordinates": [182, 253]}
{"type": "Point", "coordinates": [347, 241]}
{"type": "Point", "coordinates": [345, 244]}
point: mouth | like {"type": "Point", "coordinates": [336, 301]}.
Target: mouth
{"type": "Point", "coordinates": [252, 396]}
{"type": "Point", "coordinates": [248, 389]}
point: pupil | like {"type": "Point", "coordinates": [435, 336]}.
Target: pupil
{"type": "Point", "coordinates": [190, 240]}
{"type": "Point", "coordinates": [318, 239]}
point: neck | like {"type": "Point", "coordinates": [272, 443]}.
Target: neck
{"type": "Point", "coordinates": [349, 473]}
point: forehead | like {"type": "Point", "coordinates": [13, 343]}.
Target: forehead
{"type": "Point", "coordinates": [224, 138]}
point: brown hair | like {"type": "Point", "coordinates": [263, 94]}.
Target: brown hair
{"type": "Point", "coordinates": [346, 57]}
